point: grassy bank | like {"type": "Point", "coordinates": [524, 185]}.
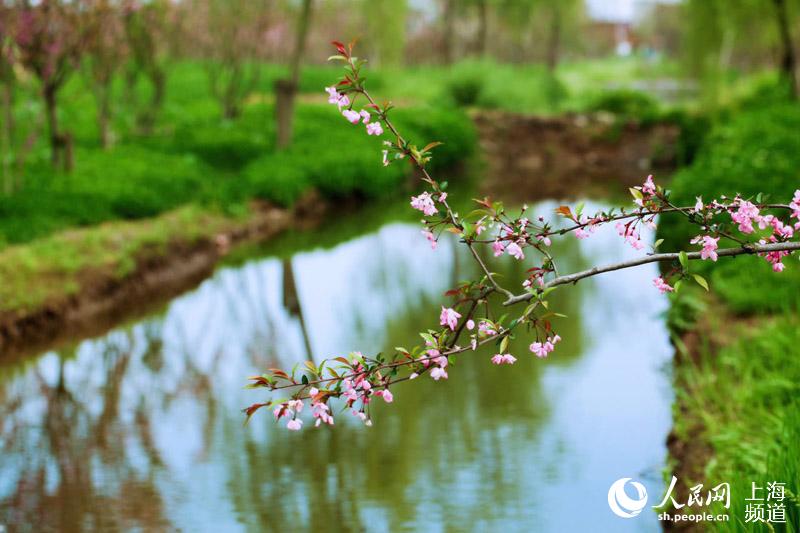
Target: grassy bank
{"type": "Point", "coordinates": [737, 374]}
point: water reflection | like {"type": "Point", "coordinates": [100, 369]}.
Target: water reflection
{"type": "Point", "coordinates": [141, 429]}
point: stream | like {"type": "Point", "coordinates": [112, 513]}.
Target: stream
{"type": "Point", "coordinates": [141, 429]}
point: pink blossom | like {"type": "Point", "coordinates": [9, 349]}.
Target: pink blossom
{"type": "Point", "coordinates": [438, 373]}
{"type": "Point", "coordinates": [321, 412]}
{"type": "Point", "coordinates": [498, 248]}
{"type": "Point", "coordinates": [515, 251]}
{"type": "Point", "coordinates": [506, 359]}
{"type": "Point", "coordinates": [334, 97]}
{"type": "Point", "coordinates": [709, 245]}
{"type": "Point", "coordinates": [442, 197]}
{"type": "Point", "coordinates": [474, 344]}
{"type": "Point", "coordinates": [485, 329]}
{"type": "Point", "coordinates": [541, 349]}
{"type": "Point", "coordinates": [386, 395]}
{"type": "Point", "coordinates": [649, 187]}
{"type": "Point", "coordinates": [662, 285]}
{"type": "Point", "coordinates": [413, 375]}
{"type": "Point", "coordinates": [352, 116]}
{"type": "Point", "coordinates": [699, 205]}
{"type": "Point", "coordinates": [431, 238]}
{"type": "Point", "coordinates": [479, 227]}
{"type": "Point", "coordinates": [470, 324]}
{"type": "Point", "coordinates": [745, 215]}
{"type": "Point", "coordinates": [294, 425]}
{"type": "Point", "coordinates": [449, 317]}
{"type": "Point", "coordinates": [364, 114]}
{"type": "Point", "coordinates": [374, 128]}
{"type": "Point", "coordinates": [424, 203]}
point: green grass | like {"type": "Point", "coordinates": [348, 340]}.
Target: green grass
{"type": "Point", "coordinates": [55, 266]}
{"type": "Point", "coordinates": [746, 398]}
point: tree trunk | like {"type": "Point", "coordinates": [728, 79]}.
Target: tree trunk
{"type": "Point", "coordinates": [788, 60]}
{"type": "Point", "coordinates": [7, 136]}
{"type": "Point", "coordinates": [60, 143]}
{"type": "Point", "coordinates": [554, 40]}
{"type": "Point", "coordinates": [52, 123]}
{"type": "Point", "coordinates": [449, 21]}
{"type": "Point", "coordinates": [483, 28]}
{"type": "Point", "coordinates": [285, 89]}
{"type": "Point", "coordinates": [104, 115]}
{"type": "Point", "coordinates": [284, 112]}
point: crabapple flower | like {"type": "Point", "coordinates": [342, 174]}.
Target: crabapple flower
{"type": "Point", "coordinates": [699, 205]}
{"type": "Point", "coordinates": [485, 329]}
{"type": "Point", "coordinates": [588, 229]}
{"type": "Point", "coordinates": [542, 349]}
{"type": "Point", "coordinates": [449, 317]}
{"type": "Point", "coordinates": [431, 238]}
{"type": "Point", "coordinates": [442, 197]}
{"type": "Point", "coordinates": [470, 324]}
{"type": "Point", "coordinates": [386, 395]}
{"type": "Point", "coordinates": [364, 114]}
{"type": "Point", "coordinates": [506, 359]}
{"type": "Point", "coordinates": [649, 187]}
{"type": "Point", "coordinates": [352, 116]}
{"type": "Point", "coordinates": [294, 424]}
{"type": "Point", "coordinates": [631, 236]}
{"type": "Point", "coordinates": [498, 248]}
{"type": "Point", "coordinates": [515, 251]}
{"type": "Point", "coordinates": [424, 203]}
{"type": "Point", "coordinates": [745, 215]}
{"type": "Point", "coordinates": [662, 286]}
{"type": "Point", "coordinates": [334, 97]}
{"type": "Point", "coordinates": [374, 128]}
{"type": "Point", "coordinates": [709, 245]}
{"type": "Point", "coordinates": [438, 373]}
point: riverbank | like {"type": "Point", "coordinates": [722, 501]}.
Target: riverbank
{"type": "Point", "coordinates": [83, 281]}
{"type": "Point", "coordinates": [736, 370]}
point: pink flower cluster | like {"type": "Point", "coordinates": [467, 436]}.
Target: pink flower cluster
{"type": "Point", "coordinates": [589, 228]}
{"type": "Point", "coordinates": [292, 408]}
{"type": "Point", "coordinates": [449, 317]}
{"type": "Point", "coordinates": [709, 245]}
{"type": "Point", "coordinates": [440, 361]}
{"type": "Point", "coordinates": [504, 359]}
{"type": "Point", "coordinates": [662, 286]}
{"type": "Point", "coordinates": [542, 349]}
{"type": "Point", "coordinates": [424, 202]}
{"type": "Point", "coordinates": [630, 234]}
{"type": "Point", "coordinates": [352, 116]}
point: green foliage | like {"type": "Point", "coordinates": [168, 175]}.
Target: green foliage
{"type": "Point", "coordinates": [757, 150]}
{"type": "Point", "coordinates": [627, 103]}
{"type": "Point", "coordinates": [745, 396]}
{"type": "Point", "coordinates": [224, 164]}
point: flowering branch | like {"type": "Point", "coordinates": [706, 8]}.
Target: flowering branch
{"type": "Point", "coordinates": [358, 379]}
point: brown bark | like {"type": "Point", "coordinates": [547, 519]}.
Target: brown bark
{"type": "Point", "coordinates": [285, 90]}
{"type": "Point", "coordinates": [483, 28]}
{"type": "Point", "coordinates": [788, 59]}
{"type": "Point", "coordinates": [60, 143]}
{"type": "Point", "coordinates": [448, 18]}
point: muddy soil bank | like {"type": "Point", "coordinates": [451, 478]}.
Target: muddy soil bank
{"type": "Point", "coordinates": [105, 298]}
{"type": "Point", "coordinates": [571, 155]}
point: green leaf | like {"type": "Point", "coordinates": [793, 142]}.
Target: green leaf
{"type": "Point", "coordinates": [701, 281]}
{"type": "Point", "coordinates": [678, 285]}
{"type": "Point", "coordinates": [658, 243]}
{"type": "Point", "coordinates": [636, 193]}
{"type": "Point", "coordinates": [684, 259]}
{"type": "Point", "coordinates": [504, 345]}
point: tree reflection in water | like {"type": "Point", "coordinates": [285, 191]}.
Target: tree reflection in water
{"type": "Point", "coordinates": [141, 429]}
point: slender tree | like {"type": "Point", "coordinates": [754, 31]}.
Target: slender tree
{"type": "Point", "coordinates": [232, 37]}
{"type": "Point", "coordinates": [286, 89]}
{"type": "Point", "coordinates": [105, 53]}
{"type": "Point", "coordinates": [49, 42]}
{"type": "Point", "coordinates": [146, 35]}
{"type": "Point", "coordinates": [788, 60]}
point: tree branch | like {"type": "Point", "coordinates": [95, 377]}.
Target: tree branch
{"type": "Point", "coordinates": [655, 258]}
